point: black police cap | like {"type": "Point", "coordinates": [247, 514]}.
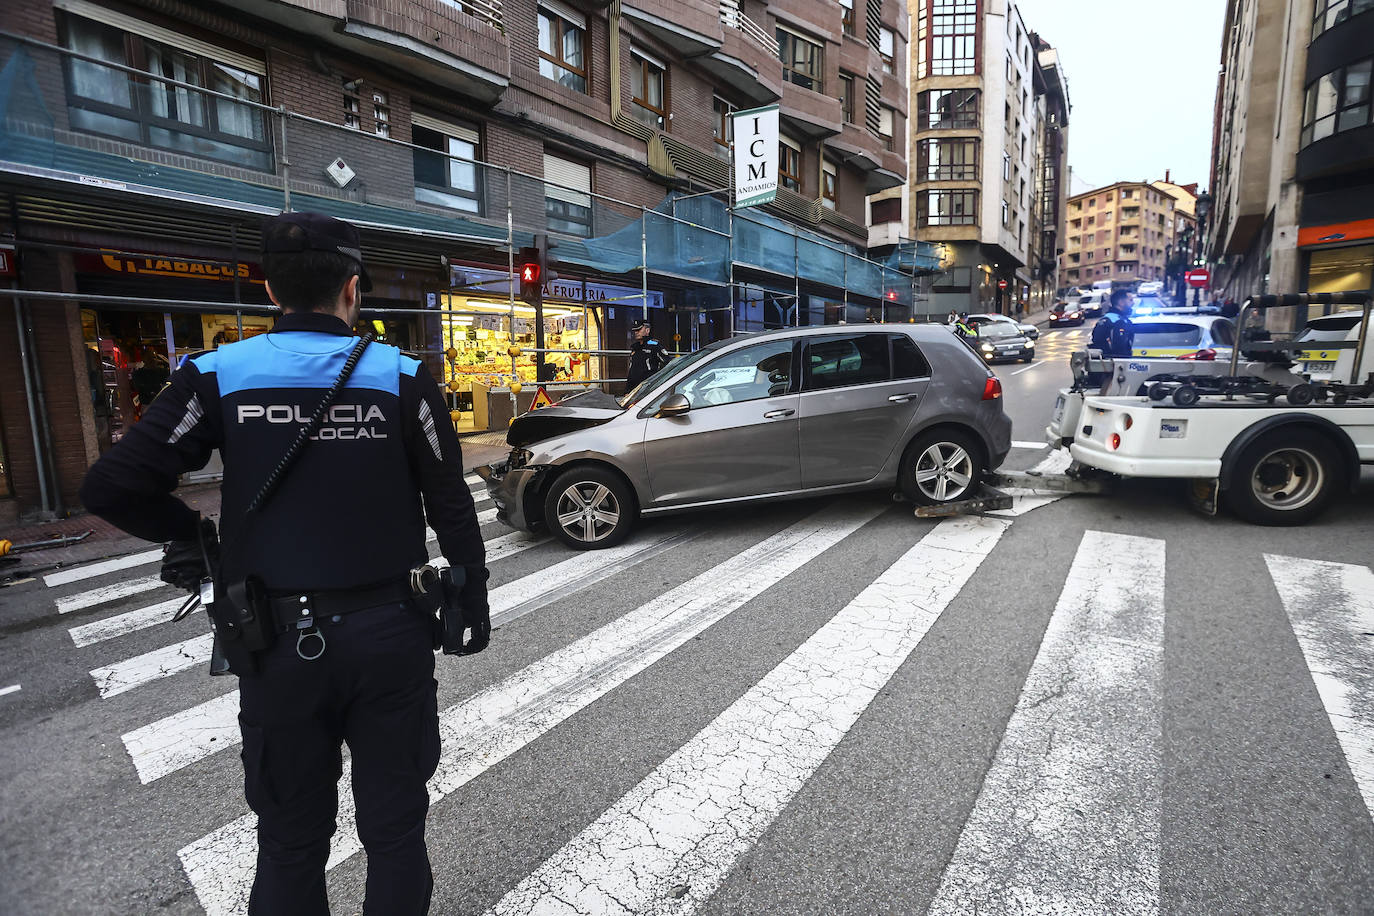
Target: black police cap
{"type": "Point", "coordinates": [304, 231]}
{"type": "Point", "coordinates": [638, 323]}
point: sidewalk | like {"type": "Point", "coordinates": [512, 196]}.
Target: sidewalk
{"type": "Point", "coordinates": [105, 540]}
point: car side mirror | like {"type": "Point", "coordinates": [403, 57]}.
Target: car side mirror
{"type": "Point", "coordinates": [675, 405]}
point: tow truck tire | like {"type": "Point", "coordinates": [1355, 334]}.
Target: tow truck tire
{"type": "Point", "coordinates": [1283, 479]}
{"type": "Point", "coordinates": [1300, 395]}
{"type": "Point", "coordinates": [597, 508]}
{"type": "Point", "coordinates": [1185, 395]}
{"type": "Point", "coordinates": [1157, 391]}
{"type": "Point", "coordinates": [956, 453]}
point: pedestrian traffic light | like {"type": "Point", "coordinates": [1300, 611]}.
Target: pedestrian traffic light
{"type": "Point", "coordinates": [531, 275]}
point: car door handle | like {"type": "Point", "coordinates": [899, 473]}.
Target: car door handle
{"type": "Point", "coordinates": [902, 398]}
{"type": "Point", "coordinates": [774, 414]}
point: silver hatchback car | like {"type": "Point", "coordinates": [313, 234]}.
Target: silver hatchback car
{"type": "Point", "coordinates": [780, 414]}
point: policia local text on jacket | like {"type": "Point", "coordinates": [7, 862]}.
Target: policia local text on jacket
{"type": "Point", "coordinates": [340, 535]}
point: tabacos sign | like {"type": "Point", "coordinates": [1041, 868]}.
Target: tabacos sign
{"type": "Point", "coordinates": [155, 265]}
{"type": "Point", "coordinates": [756, 156]}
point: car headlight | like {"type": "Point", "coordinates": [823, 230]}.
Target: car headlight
{"type": "Point", "coordinates": [987, 347]}
{"type": "Point", "coordinates": [519, 457]}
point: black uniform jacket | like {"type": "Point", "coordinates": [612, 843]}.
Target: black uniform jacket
{"type": "Point", "coordinates": [1114, 335]}
{"type": "Point", "coordinates": [349, 512]}
{"type": "Point", "coordinates": [646, 358]}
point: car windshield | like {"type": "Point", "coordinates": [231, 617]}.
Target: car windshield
{"type": "Point", "coordinates": [671, 368]}
{"type": "Point", "coordinates": [1167, 335]}
{"type": "Point", "coordinates": [1329, 328]}
{"type": "Point", "coordinates": [999, 329]}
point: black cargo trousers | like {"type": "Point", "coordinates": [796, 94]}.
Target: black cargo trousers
{"type": "Point", "coordinates": [373, 688]}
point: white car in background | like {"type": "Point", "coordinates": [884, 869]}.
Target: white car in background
{"type": "Point", "coordinates": [1332, 364]}
{"type": "Point", "coordinates": [1150, 288]}
{"type": "Point", "coordinates": [1184, 334]}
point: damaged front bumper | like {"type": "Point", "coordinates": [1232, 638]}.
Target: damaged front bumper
{"type": "Point", "coordinates": [509, 487]}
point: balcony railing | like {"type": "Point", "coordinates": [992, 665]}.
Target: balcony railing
{"type": "Point", "coordinates": [732, 18]}
{"type": "Point", "coordinates": [489, 11]}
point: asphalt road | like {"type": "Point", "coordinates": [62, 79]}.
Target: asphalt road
{"type": "Point", "coordinates": [1098, 704]}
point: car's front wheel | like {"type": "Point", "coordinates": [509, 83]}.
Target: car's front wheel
{"type": "Point", "coordinates": [589, 507]}
{"type": "Point", "coordinates": [941, 466]}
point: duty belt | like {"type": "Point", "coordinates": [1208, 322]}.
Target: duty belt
{"type": "Point", "coordinates": [289, 611]}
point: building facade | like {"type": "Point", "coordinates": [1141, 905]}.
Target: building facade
{"type": "Point", "coordinates": [1122, 233]}
{"type": "Point", "coordinates": [1293, 149]}
{"type": "Point", "coordinates": [142, 141]}
{"type": "Point", "coordinates": [973, 150]}
{"type": "Point", "coordinates": [1048, 215]}
{"type": "Point", "coordinates": [1187, 247]}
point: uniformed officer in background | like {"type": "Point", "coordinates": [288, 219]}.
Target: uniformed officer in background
{"type": "Point", "coordinates": [1114, 334]}
{"type": "Point", "coordinates": [647, 355]}
{"type": "Point", "coordinates": [335, 544]}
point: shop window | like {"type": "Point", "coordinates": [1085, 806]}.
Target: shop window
{"type": "Point", "coordinates": [847, 16]}
{"type": "Point", "coordinates": [947, 208]}
{"type": "Point", "coordinates": [562, 43]}
{"type": "Point", "coordinates": [803, 60]}
{"type": "Point", "coordinates": [887, 48]}
{"type": "Point", "coordinates": [789, 165]}
{"type": "Point", "coordinates": [568, 196]}
{"type": "Point", "coordinates": [381, 113]}
{"type": "Point", "coordinates": [649, 90]}
{"type": "Point", "coordinates": [947, 160]}
{"type": "Point", "coordinates": [149, 112]}
{"type": "Point", "coordinates": [847, 98]}
{"type": "Point", "coordinates": [1331, 13]}
{"type": "Point", "coordinates": [947, 109]}
{"type": "Point", "coordinates": [947, 37]}
{"type": "Point", "coordinates": [1336, 270]}
{"type": "Point", "coordinates": [1337, 102]}
{"type": "Point", "coordinates": [722, 126]}
{"type": "Point", "coordinates": [829, 186]}
{"type": "Point", "coordinates": [446, 164]}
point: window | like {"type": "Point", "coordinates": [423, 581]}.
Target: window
{"type": "Point", "coordinates": [941, 109]}
{"type": "Point", "coordinates": [947, 37]}
{"type": "Point", "coordinates": [1006, 166]}
{"type": "Point", "coordinates": [802, 60]}
{"type": "Point", "coordinates": [947, 160]}
{"type": "Point", "coordinates": [1336, 102]}
{"type": "Point", "coordinates": [887, 127]}
{"type": "Point", "coordinates": [907, 361]}
{"type": "Point", "coordinates": [761, 371]}
{"type": "Point", "coordinates": [847, 16]}
{"type": "Point", "coordinates": [562, 40]}
{"type": "Point", "coordinates": [887, 48]}
{"type": "Point", "coordinates": [789, 164]}
{"type": "Point", "coordinates": [567, 196]}
{"type": "Point", "coordinates": [886, 211]}
{"type": "Point", "coordinates": [381, 113]}
{"type": "Point", "coordinates": [722, 126]}
{"type": "Point", "coordinates": [1331, 13]}
{"type": "Point", "coordinates": [649, 90]}
{"type": "Point", "coordinates": [446, 177]}
{"type": "Point", "coordinates": [829, 185]}
{"type": "Point", "coordinates": [862, 359]}
{"type": "Point", "coordinates": [1006, 214]}
{"type": "Point", "coordinates": [145, 111]}
{"type": "Point", "coordinates": [947, 208]}
{"type": "Point", "coordinates": [352, 104]}
{"type": "Point", "coordinates": [847, 98]}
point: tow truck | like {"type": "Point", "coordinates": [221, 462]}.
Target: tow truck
{"type": "Point", "coordinates": [1272, 444]}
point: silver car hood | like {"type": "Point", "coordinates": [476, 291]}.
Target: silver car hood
{"type": "Point", "coordinates": [547, 422]}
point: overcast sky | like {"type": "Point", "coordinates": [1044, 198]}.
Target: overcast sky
{"type": "Point", "coordinates": [1142, 79]}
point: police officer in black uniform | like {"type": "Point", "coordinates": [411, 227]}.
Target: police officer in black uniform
{"type": "Point", "coordinates": [333, 548]}
{"type": "Point", "coordinates": [647, 355]}
{"type": "Point", "coordinates": [1114, 334]}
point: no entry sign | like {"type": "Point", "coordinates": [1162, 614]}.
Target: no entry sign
{"type": "Point", "coordinates": [1198, 277]}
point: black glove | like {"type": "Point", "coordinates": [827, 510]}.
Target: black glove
{"type": "Point", "coordinates": [183, 562]}
{"type": "Point", "coordinates": [474, 614]}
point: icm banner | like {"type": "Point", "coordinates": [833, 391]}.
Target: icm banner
{"type": "Point", "coordinates": [756, 156]}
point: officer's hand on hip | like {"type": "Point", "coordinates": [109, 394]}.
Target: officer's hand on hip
{"type": "Point", "coordinates": [476, 610]}
{"type": "Point", "coordinates": [184, 562]}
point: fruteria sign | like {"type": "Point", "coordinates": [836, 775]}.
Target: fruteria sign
{"type": "Point", "coordinates": [756, 156]}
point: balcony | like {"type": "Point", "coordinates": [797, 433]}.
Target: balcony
{"type": "Point", "coordinates": [690, 27]}
{"type": "Point", "coordinates": [459, 45]}
{"type": "Point", "coordinates": [747, 58]}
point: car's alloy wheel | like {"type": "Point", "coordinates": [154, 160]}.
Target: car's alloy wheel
{"type": "Point", "coordinates": [588, 508]}
{"type": "Point", "coordinates": [940, 468]}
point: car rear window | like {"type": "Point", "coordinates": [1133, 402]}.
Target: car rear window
{"type": "Point", "coordinates": [859, 360]}
{"type": "Point", "coordinates": [1329, 328]}
{"type": "Point", "coordinates": [907, 360]}
{"type": "Point", "coordinates": [1156, 334]}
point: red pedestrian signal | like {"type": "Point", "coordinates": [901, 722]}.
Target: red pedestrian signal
{"type": "Point", "coordinates": [529, 273]}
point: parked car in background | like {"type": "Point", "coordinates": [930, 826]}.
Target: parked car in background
{"type": "Point", "coordinates": [775, 415]}
{"type": "Point", "coordinates": [1323, 363]}
{"type": "Point", "coordinates": [1093, 304]}
{"type": "Point", "coordinates": [1063, 313]}
{"type": "Point", "coordinates": [1150, 288]}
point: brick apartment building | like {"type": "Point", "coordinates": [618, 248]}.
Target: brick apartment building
{"type": "Point", "coordinates": [142, 142]}
{"type": "Point", "coordinates": [1122, 232]}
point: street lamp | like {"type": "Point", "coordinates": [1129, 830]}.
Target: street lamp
{"type": "Point", "coordinates": [1202, 208]}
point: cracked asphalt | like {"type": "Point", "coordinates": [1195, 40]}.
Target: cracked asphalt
{"type": "Point", "coordinates": [1227, 787]}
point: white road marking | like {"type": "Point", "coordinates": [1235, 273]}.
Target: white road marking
{"type": "Point", "coordinates": [67, 576]}
{"type": "Point", "coordinates": [185, 737]}
{"type": "Point", "coordinates": [667, 845]}
{"type": "Point", "coordinates": [120, 677]}
{"type": "Point", "coordinates": [12, 688]}
{"type": "Point", "coordinates": [1034, 365]}
{"type": "Point", "coordinates": [1331, 607]}
{"type": "Point", "coordinates": [487, 728]}
{"type": "Point", "coordinates": [105, 593]}
{"type": "Point", "coordinates": [1068, 818]}
{"type": "Point", "coordinates": [130, 622]}
{"type": "Point", "coordinates": [472, 480]}
{"type": "Point", "coordinates": [1028, 444]}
